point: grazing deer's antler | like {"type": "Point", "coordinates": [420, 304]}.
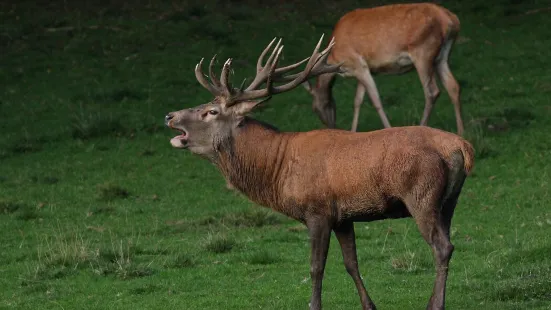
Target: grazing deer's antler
{"type": "Point", "coordinates": [267, 73]}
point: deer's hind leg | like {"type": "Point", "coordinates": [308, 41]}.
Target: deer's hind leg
{"type": "Point", "coordinates": [435, 230]}
{"type": "Point", "coordinates": [449, 82]}
{"type": "Point", "coordinates": [432, 211]}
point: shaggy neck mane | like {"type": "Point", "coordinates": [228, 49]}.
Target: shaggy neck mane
{"type": "Point", "coordinates": [255, 173]}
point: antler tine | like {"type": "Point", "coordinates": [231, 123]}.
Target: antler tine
{"type": "Point", "coordinates": [267, 73]}
{"type": "Point", "coordinates": [325, 53]}
{"type": "Point", "coordinates": [269, 81]}
{"type": "Point", "coordinates": [315, 66]}
{"type": "Point", "coordinates": [212, 76]}
{"type": "Point", "coordinates": [273, 54]}
{"type": "Point", "coordinates": [263, 54]}
{"type": "Point", "coordinates": [321, 67]}
{"type": "Point", "coordinates": [224, 78]}
{"type": "Point", "coordinates": [242, 87]}
{"type": "Point", "coordinates": [319, 60]}
{"type": "Point", "coordinates": [203, 81]}
{"type": "Point", "coordinates": [281, 71]}
{"type": "Point", "coordinates": [262, 72]}
{"type": "Point", "coordinates": [273, 69]}
{"type": "Point", "coordinates": [312, 60]}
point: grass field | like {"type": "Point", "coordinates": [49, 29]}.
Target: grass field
{"type": "Point", "coordinates": [98, 211]}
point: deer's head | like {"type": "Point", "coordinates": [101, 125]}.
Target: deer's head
{"type": "Point", "coordinates": [206, 127]}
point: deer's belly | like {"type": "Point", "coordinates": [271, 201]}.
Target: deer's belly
{"type": "Point", "coordinates": [399, 64]}
{"type": "Point", "coordinates": [372, 209]}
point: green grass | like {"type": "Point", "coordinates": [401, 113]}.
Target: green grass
{"type": "Point", "coordinates": [99, 211]}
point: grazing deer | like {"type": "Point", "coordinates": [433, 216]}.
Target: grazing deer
{"type": "Point", "coordinates": [328, 178]}
{"type": "Point", "coordinates": [391, 39]}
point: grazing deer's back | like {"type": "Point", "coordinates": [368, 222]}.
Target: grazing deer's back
{"type": "Point", "coordinates": [380, 34]}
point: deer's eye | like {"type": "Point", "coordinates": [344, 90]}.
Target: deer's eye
{"type": "Point", "coordinates": [213, 112]}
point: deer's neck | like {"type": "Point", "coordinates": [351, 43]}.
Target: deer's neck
{"type": "Point", "coordinates": [253, 161]}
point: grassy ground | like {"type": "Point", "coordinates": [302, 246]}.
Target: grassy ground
{"type": "Point", "coordinates": [98, 211]}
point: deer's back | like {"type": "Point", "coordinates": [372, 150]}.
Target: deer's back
{"type": "Point", "coordinates": [384, 35]}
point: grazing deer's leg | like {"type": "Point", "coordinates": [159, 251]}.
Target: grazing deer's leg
{"type": "Point", "coordinates": [320, 232]}
{"type": "Point", "coordinates": [430, 88]}
{"type": "Point", "coordinates": [453, 89]}
{"type": "Point", "coordinates": [358, 100]}
{"type": "Point", "coordinates": [435, 230]}
{"type": "Point", "coordinates": [369, 83]}
{"type": "Point", "coordinates": [347, 239]}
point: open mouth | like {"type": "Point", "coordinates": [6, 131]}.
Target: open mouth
{"type": "Point", "coordinates": [180, 141]}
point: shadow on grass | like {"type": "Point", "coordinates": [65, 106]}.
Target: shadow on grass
{"type": "Point", "coordinates": [95, 125]}
{"type": "Point", "coordinates": [9, 207]}
{"type": "Point", "coordinates": [146, 289]}
{"type": "Point", "coordinates": [508, 119]}
{"type": "Point", "coordinates": [263, 258]}
{"type": "Point", "coordinates": [27, 145]}
{"type": "Point", "coordinates": [20, 211]}
{"type": "Point", "coordinates": [110, 192]}
{"type": "Point", "coordinates": [248, 218]}
{"type": "Point", "coordinates": [114, 95]}
{"type": "Point", "coordinates": [48, 180]}
{"type": "Point", "coordinates": [182, 260]}
{"type": "Point", "coordinates": [505, 120]}
{"type": "Point", "coordinates": [102, 210]}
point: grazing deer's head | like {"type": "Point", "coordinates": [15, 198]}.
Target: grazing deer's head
{"type": "Point", "coordinates": [206, 127]}
{"type": "Point", "coordinates": [323, 103]}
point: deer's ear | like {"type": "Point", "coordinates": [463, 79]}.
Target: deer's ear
{"type": "Point", "coordinates": [243, 108]}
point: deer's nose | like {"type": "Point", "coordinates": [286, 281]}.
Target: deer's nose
{"type": "Point", "coordinates": [168, 117]}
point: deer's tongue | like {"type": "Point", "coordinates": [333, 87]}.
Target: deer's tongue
{"type": "Point", "coordinates": [179, 141]}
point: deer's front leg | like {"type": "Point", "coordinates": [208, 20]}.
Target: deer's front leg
{"type": "Point", "coordinates": [320, 232]}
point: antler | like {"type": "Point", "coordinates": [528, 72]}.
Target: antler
{"type": "Point", "coordinates": [268, 74]}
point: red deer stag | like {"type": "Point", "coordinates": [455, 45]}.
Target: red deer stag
{"type": "Point", "coordinates": [328, 178]}
{"type": "Point", "coordinates": [390, 39]}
